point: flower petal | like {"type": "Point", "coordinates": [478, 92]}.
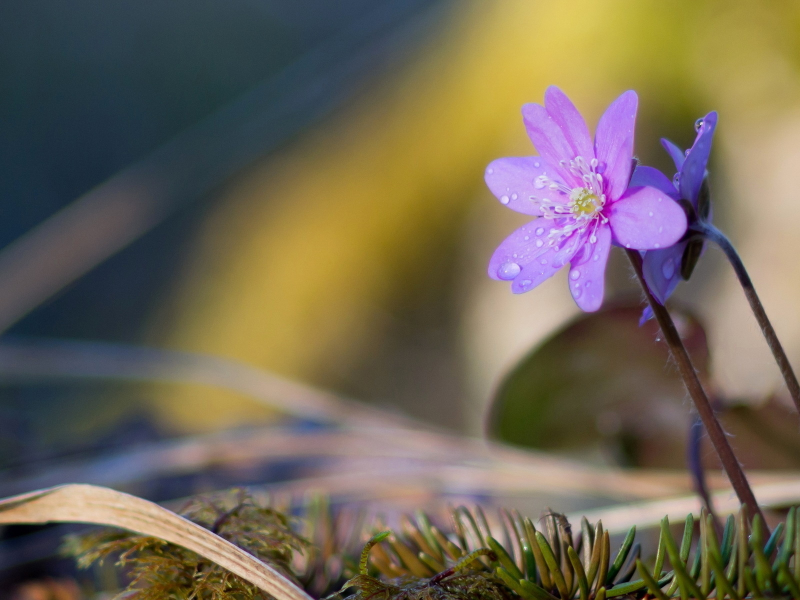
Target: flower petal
{"type": "Point", "coordinates": [675, 153]}
{"type": "Point", "coordinates": [519, 249]}
{"type": "Point", "coordinates": [651, 177]}
{"type": "Point", "coordinates": [545, 265]}
{"type": "Point", "coordinates": [549, 140]}
{"type": "Point", "coordinates": [614, 142]}
{"type": "Point", "coordinates": [645, 219]}
{"type": "Point", "coordinates": [513, 181]}
{"type": "Point", "coordinates": [567, 117]}
{"type": "Point", "coordinates": [662, 270]}
{"type": "Point", "coordinates": [694, 167]}
{"type": "Point", "coordinates": [587, 271]}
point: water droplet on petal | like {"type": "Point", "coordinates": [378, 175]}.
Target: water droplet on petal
{"type": "Point", "coordinates": [490, 171]}
{"type": "Point", "coordinates": [527, 237]}
{"type": "Point", "coordinates": [650, 214]}
{"type": "Point", "coordinates": [697, 126]}
{"type": "Point", "coordinates": [587, 284]}
{"type": "Point", "coordinates": [540, 231]}
{"type": "Point", "coordinates": [543, 261]}
{"type": "Point", "coordinates": [504, 200]}
{"type": "Point", "coordinates": [536, 164]}
{"type": "Point", "coordinates": [668, 268]}
{"type": "Point", "coordinates": [508, 271]}
{"type": "Point", "coordinates": [539, 243]}
{"type": "Point", "coordinates": [686, 152]}
{"type": "Point", "coordinates": [513, 196]}
{"type": "Point", "coordinates": [657, 245]}
{"type": "Point", "coordinates": [627, 245]}
{"type": "Point", "coordinates": [596, 257]}
{"type": "Point", "coordinates": [574, 274]}
{"type": "Point", "coordinates": [525, 283]}
{"type": "Point", "coordinates": [576, 292]}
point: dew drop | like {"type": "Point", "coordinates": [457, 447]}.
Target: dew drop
{"type": "Point", "coordinates": [686, 152]}
{"type": "Point", "coordinates": [587, 284]}
{"type": "Point", "coordinates": [596, 257]}
{"type": "Point", "coordinates": [668, 268]}
{"type": "Point", "coordinates": [527, 237]}
{"type": "Point", "coordinates": [539, 243]}
{"type": "Point", "coordinates": [657, 245]}
{"type": "Point", "coordinates": [504, 200]}
{"type": "Point", "coordinates": [543, 261]}
{"type": "Point", "coordinates": [650, 214]}
{"type": "Point", "coordinates": [508, 271]}
{"type": "Point", "coordinates": [697, 126]}
{"type": "Point", "coordinates": [627, 245]}
{"type": "Point", "coordinates": [536, 164]}
{"type": "Point", "coordinates": [540, 231]}
{"type": "Point", "coordinates": [593, 239]}
{"type": "Point", "coordinates": [576, 293]}
{"type": "Point", "coordinates": [513, 196]}
{"type": "Point", "coordinates": [490, 171]}
{"type": "Point", "coordinates": [525, 283]}
{"type": "Point", "coordinates": [574, 274]}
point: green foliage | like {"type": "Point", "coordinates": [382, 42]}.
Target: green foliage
{"type": "Point", "coordinates": [512, 560]}
{"type": "Point", "coordinates": [159, 570]}
{"type": "Point", "coordinates": [550, 564]}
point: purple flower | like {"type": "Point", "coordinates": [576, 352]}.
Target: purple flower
{"type": "Point", "coordinates": [579, 191]}
{"type": "Point", "coordinates": [664, 268]}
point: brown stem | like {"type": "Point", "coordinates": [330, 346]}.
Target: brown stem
{"type": "Point", "coordinates": [687, 371]}
{"type": "Point", "coordinates": [720, 239]}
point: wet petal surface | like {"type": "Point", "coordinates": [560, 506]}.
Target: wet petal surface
{"type": "Point", "coordinates": [646, 219]}
{"type": "Point", "coordinates": [587, 272]}
{"type": "Point", "coordinates": [513, 181]}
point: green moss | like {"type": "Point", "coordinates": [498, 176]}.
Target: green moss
{"type": "Point", "coordinates": [159, 571]}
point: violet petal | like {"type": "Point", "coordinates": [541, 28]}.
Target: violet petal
{"type": "Point", "coordinates": [513, 181]}
{"type": "Point", "coordinates": [545, 265]}
{"type": "Point", "coordinates": [674, 152]}
{"type": "Point", "coordinates": [645, 218]}
{"type": "Point", "coordinates": [587, 273]}
{"type": "Point", "coordinates": [567, 117]}
{"type": "Point", "coordinates": [520, 248]}
{"type": "Point", "coordinates": [662, 270]}
{"type": "Point", "coordinates": [651, 177]}
{"type": "Point", "coordinates": [694, 167]}
{"type": "Point", "coordinates": [549, 140]}
{"type": "Point", "coordinates": [614, 142]}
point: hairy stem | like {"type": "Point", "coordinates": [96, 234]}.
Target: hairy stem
{"type": "Point", "coordinates": [689, 375]}
{"type": "Point", "coordinates": [720, 239]}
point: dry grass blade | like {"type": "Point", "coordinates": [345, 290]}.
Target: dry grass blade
{"type": "Point", "coordinates": [102, 506]}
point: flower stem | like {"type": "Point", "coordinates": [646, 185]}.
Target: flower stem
{"type": "Point", "coordinates": [689, 375]}
{"type": "Point", "coordinates": [720, 239]}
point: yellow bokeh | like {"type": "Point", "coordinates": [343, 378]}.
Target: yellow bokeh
{"type": "Point", "coordinates": [291, 269]}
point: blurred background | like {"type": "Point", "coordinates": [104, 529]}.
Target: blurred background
{"type": "Point", "coordinates": [296, 185]}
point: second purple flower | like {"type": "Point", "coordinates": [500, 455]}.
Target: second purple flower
{"type": "Point", "coordinates": [578, 189]}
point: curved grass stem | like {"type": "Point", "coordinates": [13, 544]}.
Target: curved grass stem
{"type": "Point", "coordinates": [721, 240]}
{"type": "Point", "coordinates": [690, 379]}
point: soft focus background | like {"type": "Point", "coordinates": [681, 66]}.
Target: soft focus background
{"type": "Point", "coordinates": [297, 185]}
